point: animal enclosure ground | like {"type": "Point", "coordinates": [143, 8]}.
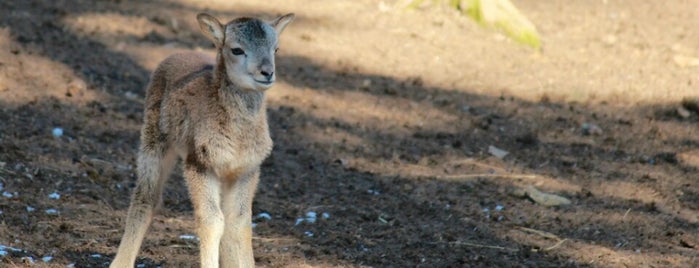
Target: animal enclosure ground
{"type": "Point", "coordinates": [382, 119]}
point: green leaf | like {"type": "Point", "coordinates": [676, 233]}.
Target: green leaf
{"type": "Point", "coordinates": [499, 14]}
{"type": "Point", "coordinates": [502, 14]}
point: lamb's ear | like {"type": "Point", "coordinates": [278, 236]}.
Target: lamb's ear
{"type": "Point", "coordinates": [212, 28]}
{"type": "Point", "coordinates": [280, 23]}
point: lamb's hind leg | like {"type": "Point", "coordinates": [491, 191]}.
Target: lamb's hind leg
{"type": "Point", "coordinates": [153, 170]}
{"type": "Point", "coordinates": [236, 244]}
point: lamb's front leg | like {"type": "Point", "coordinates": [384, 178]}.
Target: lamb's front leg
{"type": "Point", "coordinates": [236, 244]}
{"type": "Point", "coordinates": [205, 192]}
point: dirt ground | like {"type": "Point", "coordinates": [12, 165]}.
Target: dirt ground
{"type": "Point", "coordinates": [382, 119]}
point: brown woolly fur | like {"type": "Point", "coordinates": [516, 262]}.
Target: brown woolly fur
{"type": "Point", "coordinates": [210, 113]}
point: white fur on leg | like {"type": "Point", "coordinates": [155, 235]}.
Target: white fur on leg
{"type": "Point", "coordinates": [205, 191]}
{"type": "Point", "coordinates": [236, 244]}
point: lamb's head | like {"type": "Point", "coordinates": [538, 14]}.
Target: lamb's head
{"type": "Point", "coordinates": [247, 47]}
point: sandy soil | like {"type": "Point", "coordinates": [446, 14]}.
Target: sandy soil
{"type": "Point", "coordinates": [383, 119]}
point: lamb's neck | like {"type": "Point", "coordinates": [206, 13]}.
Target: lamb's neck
{"type": "Point", "coordinates": [242, 102]}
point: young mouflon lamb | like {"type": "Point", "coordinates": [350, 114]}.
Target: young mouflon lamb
{"type": "Point", "coordinates": [211, 114]}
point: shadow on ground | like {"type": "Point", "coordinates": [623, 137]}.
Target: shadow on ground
{"type": "Point", "coordinates": [416, 187]}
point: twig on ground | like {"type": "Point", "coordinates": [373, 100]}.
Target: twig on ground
{"type": "Point", "coordinates": [555, 245]}
{"type": "Point", "coordinates": [545, 235]}
{"type": "Point", "coordinates": [541, 233]}
{"type": "Point", "coordinates": [625, 214]}
{"type": "Point", "coordinates": [486, 175]}
{"type": "Point", "coordinates": [482, 246]}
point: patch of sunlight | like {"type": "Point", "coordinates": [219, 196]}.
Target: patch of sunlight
{"type": "Point", "coordinates": [689, 158]}
{"type": "Point", "coordinates": [625, 191]}
{"type": "Point", "coordinates": [601, 256]}
{"type": "Point", "coordinates": [27, 76]}
{"type": "Point", "coordinates": [109, 25]}
{"type": "Point", "coordinates": [632, 191]}
{"type": "Point", "coordinates": [597, 255]}
{"type": "Point", "coordinates": [124, 33]}
{"type": "Point", "coordinates": [332, 136]}
{"type": "Point", "coordinates": [377, 112]}
{"type": "Point", "coordinates": [149, 56]}
{"type": "Point", "coordinates": [620, 218]}
{"type": "Point", "coordinates": [213, 4]}
{"type": "Point", "coordinates": [462, 170]}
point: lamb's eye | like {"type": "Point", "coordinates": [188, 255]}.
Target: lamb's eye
{"type": "Point", "coordinates": [237, 51]}
{"type": "Point", "coordinates": [275, 50]}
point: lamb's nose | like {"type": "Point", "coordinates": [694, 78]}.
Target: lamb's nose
{"type": "Point", "coordinates": [267, 74]}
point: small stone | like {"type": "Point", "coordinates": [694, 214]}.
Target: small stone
{"type": "Point", "coordinates": [264, 215]}
{"type": "Point", "coordinates": [497, 152]}
{"type": "Point", "coordinates": [188, 237]}
{"type": "Point", "coordinates": [366, 84]}
{"type": "Point", "coordinates": [130, 95]}
{"type": "Point", "coordinates": [374, 192]}
{"type": "Point", "coordinates": [57, 132]}
{"type": "Point", "coordinates": [685, 61]}
{"type": "Point", "coordinates": [54, 195]}
{"type": "Point", "coordinates": [51, 211]}
{"type": "Point", "coordinates": [546, 199]}
{"type": "Point", "coordinates": [591, 129]}
{"type": "Point", "coordinates": [683, 112]}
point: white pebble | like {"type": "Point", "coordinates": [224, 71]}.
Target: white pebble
{"type": "Point", "coordinates": [188, 237]}
{"type": "Point", "coordinates": [264, 215]}
{"type": "Point", "coordinates": [141, 265]}
{"type": "Point", "coordinates": [253, 225]}
{"type": "Point", "coordinates": [311, 214]}
{"type": "Point", "coordinates": [7, 194]}
{"type": "Point", "coordinates": [96, 256]}
{"type": "Point", "coordinates": [325, 215]}
{"type": "Point", "coordinates": [374, 192]}
{"type": "Point", "coordinates": [299, 221]}
{"type": "Point", "coordinates": [70, 265]}
{"type": "Point", "coordinates": [51, 211]}
{"type": "Point", "coordinates": [5, 248]}
{"type": "Point", "coordinates": [57, 132]}
{"type": "Point", "coordinates": [47, 258]}
{"type": "Point", "coordinates": [499, 207]}
{"type": "Point", "coordinates": [130, 95]}
{"type": "Point", "coordinates": [30, 209]}
{"type": "Point", "coordinates": [54, 195]}
{"type": "Point", "coordinates": [3, 252]}
{"type": "Point", "coordinates": [308, 233]}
